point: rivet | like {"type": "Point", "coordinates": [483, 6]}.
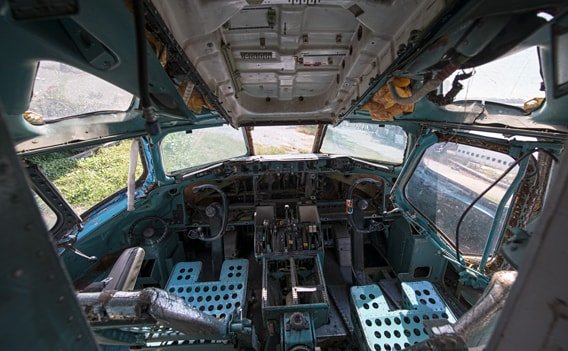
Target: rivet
{"type": "Point", "coordinates": [18, 273]}
{"type": "Point", "coordinates": [60, 298]}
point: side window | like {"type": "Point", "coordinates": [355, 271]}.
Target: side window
{"type": "Point", "coordinates": [509, 88]}
{"type": "Point", "coordinates": [48, 215]}
{"type": "Point", "coordinates": [61, 91]}
{"type": "Point", "coordinates": [87, 176]}
{"type": "Point", "coordinates": [447, 180]}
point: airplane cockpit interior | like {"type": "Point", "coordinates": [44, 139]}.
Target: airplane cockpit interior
{"type": "Point", "coordinates": [288, 175]}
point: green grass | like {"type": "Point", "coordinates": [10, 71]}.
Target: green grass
{"type": "Point", "coordinates": [84, 182]}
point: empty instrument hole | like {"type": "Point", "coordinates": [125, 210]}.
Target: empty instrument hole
{"type": "Point", "coordinates": [422, 272]}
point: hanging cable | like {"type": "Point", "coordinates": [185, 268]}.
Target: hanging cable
{"type": "Point", "coordinates": [495, 182]}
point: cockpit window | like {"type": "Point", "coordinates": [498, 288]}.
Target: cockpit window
{"type": "Point", "coordinates": [281, 140]}
{"type": "Point", "coordinates": [61, 91]}
{"type": "Point", "coordinates": [511, 80]}
{"type": "Point", "coordinates": [365, 140]}
{"type": "Point", "coordinates": [87, 176]}
{"type": "Point", "coordinates": [183, 150]}
{"type": "Point", "coordinates": [448, 178]}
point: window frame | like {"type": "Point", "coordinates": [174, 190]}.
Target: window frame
{"type": "Point", "coordinates": [469, 140]}
{"type": "Point", "coordinates": [58, 216]}
{"type": "Point", "coordinates": [559, 29]}
{"type": "Point", "coordinates": [500, 100]}
{"type": "Point", "coordinates": [85, 214]}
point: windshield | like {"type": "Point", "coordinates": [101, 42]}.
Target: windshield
{"type": "Point", "coordinates": [280, 140]}
{"type": "Point", "coordinates": [366, 140]}
{"type": "Point", "coordinates": [61, 91]}
{"type": "Point", "coordinates": [511, 80]}
{"type": "Point", "coordinates": [182, 150]}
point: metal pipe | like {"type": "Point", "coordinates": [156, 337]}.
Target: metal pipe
{"type": "Point", "coordinates": [152, 125]}
{"type": "Point", "coordinates": [114, 307]}
{"type": "Point", "coordinates": [142, 66]}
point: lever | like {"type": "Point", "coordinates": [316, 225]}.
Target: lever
{"type": "Point", "coordinates": [392, 215]}
{"type": "Point", "coordinates": [68, 242]}
{"type": "Point", "coordinates": [394, 211]}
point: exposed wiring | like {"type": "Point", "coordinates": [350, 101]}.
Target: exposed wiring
{"type": "Point", "coordinates": [495, 182]}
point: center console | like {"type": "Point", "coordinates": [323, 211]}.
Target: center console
{"type": "Point", "coordinates": [289, 242]}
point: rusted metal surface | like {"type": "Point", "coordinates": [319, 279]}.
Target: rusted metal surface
{"type": "Point", "coordinates": [503, 148]}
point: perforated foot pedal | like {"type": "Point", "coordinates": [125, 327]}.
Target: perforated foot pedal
{"type": "Point", "coordinates": [386, 329]}
{"type": "Point", "coordinates": [218, 298]}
